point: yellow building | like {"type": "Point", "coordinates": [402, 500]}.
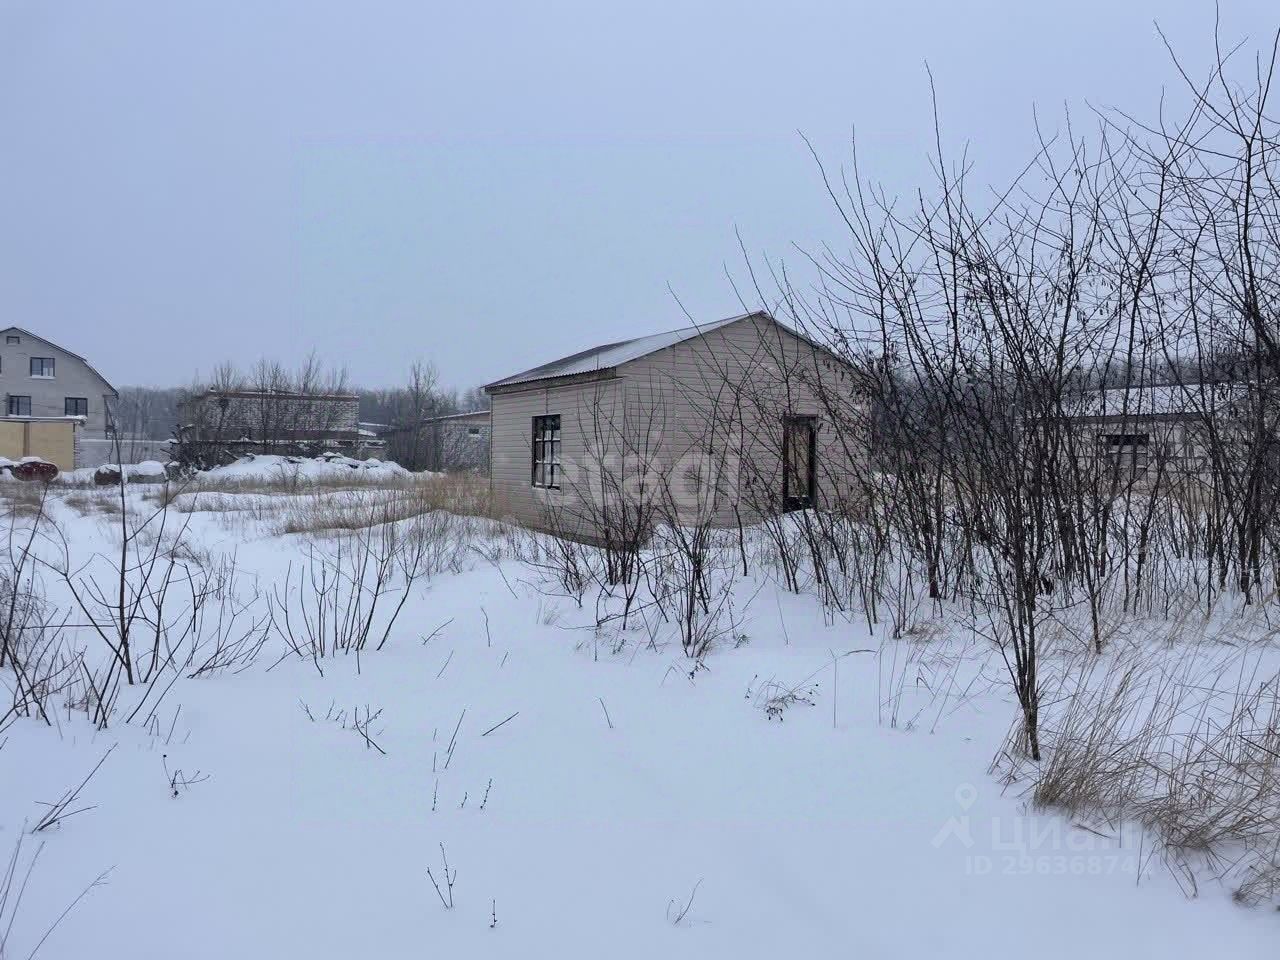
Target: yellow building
{"type": "Point", "coordinates": [49, 438]}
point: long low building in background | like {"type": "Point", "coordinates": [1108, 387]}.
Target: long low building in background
{"type": "Point", "coordinates": [274, 421]}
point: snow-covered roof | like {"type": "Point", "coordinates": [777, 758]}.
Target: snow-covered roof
{"type": "Point", "coordinates": [610, 355]}
{"type": "Point", "coordinates": [1187, 399]}
{"type": "Point", "coordinates": [465, 415]}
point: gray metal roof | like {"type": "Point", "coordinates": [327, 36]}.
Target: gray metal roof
{"type": "Point", "coordinates": [610, 355]}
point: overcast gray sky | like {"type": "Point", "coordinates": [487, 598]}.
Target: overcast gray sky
{"type": "Point", "coordinates": [488, 186]}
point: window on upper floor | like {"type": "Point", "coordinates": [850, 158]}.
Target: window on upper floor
{"type": "Point", "coordinates": [42, 366]}
{"type": "Point", "coordinates": [12, 338]}
{"type": "Point", "coordinates": [19, 406]}
{"type": "Point", "coordinates": [76, 407]}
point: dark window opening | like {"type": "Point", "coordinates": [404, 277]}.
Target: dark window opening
{"type": "Point", "coordinates": [1114, 440]}
{"type": "Point", "coordinates": [19, 406]}
{"type": "Point", "coordinates": [473, 431]}
{"type": "Point", "coordinates": [42, 366]}
{"type": "Point", "coordinates": [76, 407]}
{"type": "Point", "coordinates": [11, 338]}
{"type": "Point", "coordinates": [546, 452]}
{"type": "Point", "coordinates": [799, 451]}
{"type": "Point", "coordinates": [1129, 450]}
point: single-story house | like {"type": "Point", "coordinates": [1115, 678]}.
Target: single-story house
{"type": "Point", "coordinates": [452, 441]}
{"type": "Point", "coordinates": [1155, 430]}
{"type": "Point", "coordinates": [722, 422]}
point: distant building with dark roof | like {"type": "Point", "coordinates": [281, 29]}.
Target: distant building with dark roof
{"type": "Point", "coordinates": [456, 441]}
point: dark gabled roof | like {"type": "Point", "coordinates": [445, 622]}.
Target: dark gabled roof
{"type": "Point", "coordinates": [611, 355]}
{"type": "Point", "coordinates": [69, 353]}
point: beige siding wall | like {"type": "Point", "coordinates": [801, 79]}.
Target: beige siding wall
{"type": "Point", "coordinates": [725, 398]}
{"type": "Point", "coordinates": [1169, 447]}
{"type": "Point", "coordinates": [52, 440]}
{"type": "Point", "coordinates": [55, 442]}
{"type": "Point", "coordinates": [588, 413]}
{"type": "Point", "coordinates": [13, 439]}
{"type": "Point", "coordinates": [706, 415]}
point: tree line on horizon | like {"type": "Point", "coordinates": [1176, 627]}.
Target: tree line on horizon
{"type": "Point", "coordinates": [153, 413]}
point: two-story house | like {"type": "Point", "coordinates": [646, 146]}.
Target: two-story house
{"type": "Point", "coordinates": [40, 379]}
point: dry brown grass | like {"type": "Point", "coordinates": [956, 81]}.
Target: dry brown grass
{"type": "Point", "coordinates": [21, 499]}
{"type": "Point", "coordinates": [464, 495]}
{"type": "Point", "coordinates": [1187, 745]}
{"type": "Point", "coordinates": [99, 500]}
{"type": "Point", "coordinates": [282, 484]}
{"type": "Point", "coordinates": [331, 504]}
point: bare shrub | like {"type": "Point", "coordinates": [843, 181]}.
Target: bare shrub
{"type": "Point", "coordinates": [678, 910]}
{"type": "Point", "coordinates": [691, 575]}
{"type": "Point", "coordinates": [132, 597]}
{"type": "Point", "coordinates": [449, 877]}
{"type": "Point", "coordinates": [360, 725]}
{"type": "Point", "coordinates": [572, 564]}
{"type": "Point", "coordinates": [32, 648]}
{"type": "Point", "coordinates": [348, 593]}
{"type": "Point", "coordinates": [230, 626]}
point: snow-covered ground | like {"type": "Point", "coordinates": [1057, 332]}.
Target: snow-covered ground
{"type": "Point", "coordinates": [816, 790]}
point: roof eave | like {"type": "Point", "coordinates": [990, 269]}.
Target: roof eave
{"type": "Point", "coordinates": [538, 383]}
